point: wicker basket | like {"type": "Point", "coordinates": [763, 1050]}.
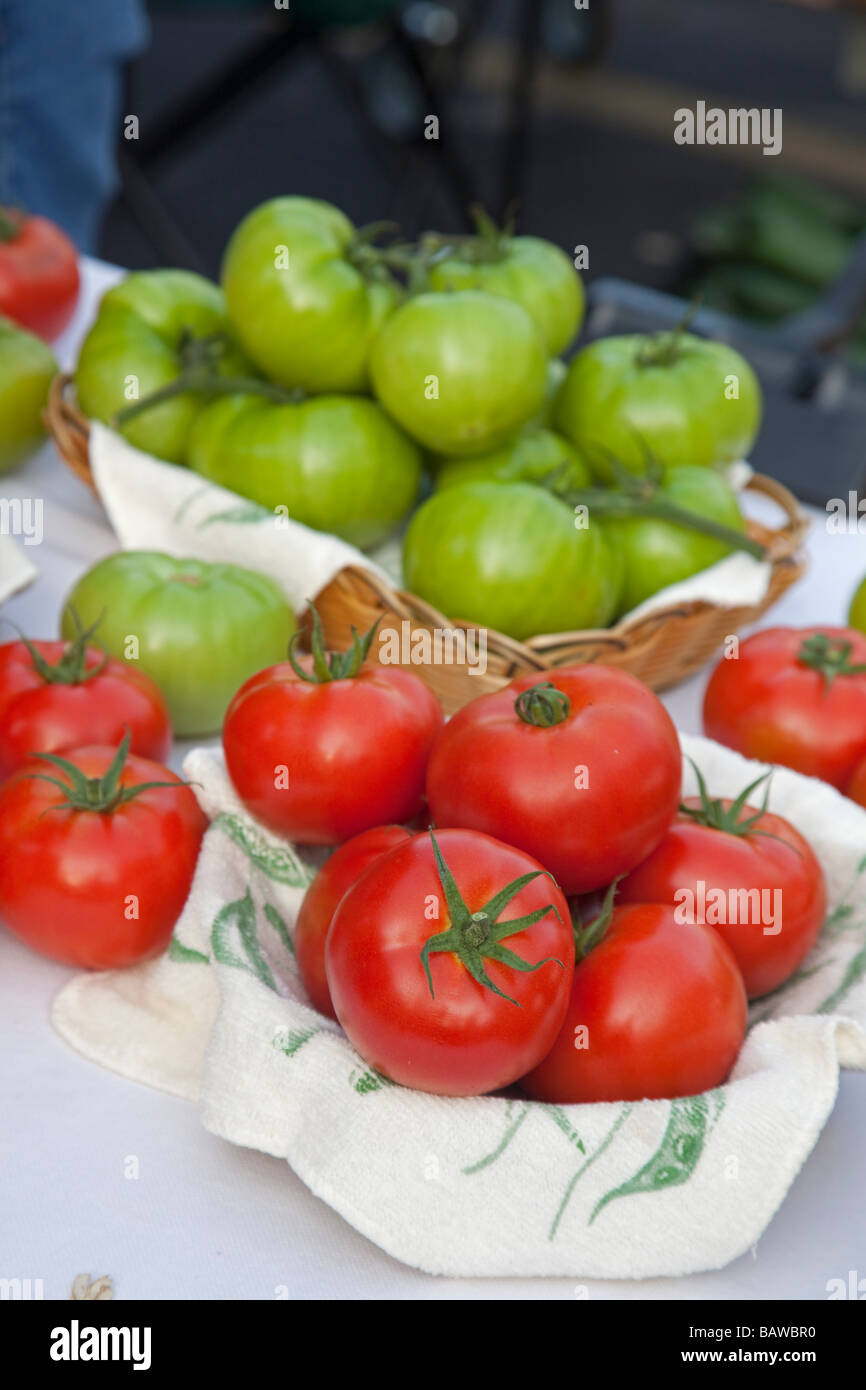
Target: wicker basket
{"type": "Point", "coordinates": [663, 648]}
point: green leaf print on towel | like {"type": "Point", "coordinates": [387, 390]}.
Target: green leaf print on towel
{"type": "Point", "coordinates": [235, 926]}
{"type": "Point", "coordinates": [277, 862]}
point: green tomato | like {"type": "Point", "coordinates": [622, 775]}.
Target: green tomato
{"type": "Point", "coordinates": [201, 629]}
{"type": "Point", "coordinates": [147, 329]}
{"type": "Point", "coordinates": [27, 367]}
{"type": "Point", "coordinates": [337, 463]}
{"type": "Point", "coordinates": [688, 401]}
{"type": "Point", "coordinates": [508, 556]}
{"type": "Point", "coordinates": [657, 553]}
{"type": "Point", "coordinates": [306, 298]}
{"type": "Point", "coordinates": [531, 457]}
{"type": "Point", "coordinates": [533, 273]}
{"type": "Point", "coordinates": [460, 372]}
{"type": "Point", "coordinates": [857, 613]}
{"type": "Point", "coordinates": [557, 371]}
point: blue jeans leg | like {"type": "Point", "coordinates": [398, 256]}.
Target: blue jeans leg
{"type": "Point", "coordinates": [61, 81]}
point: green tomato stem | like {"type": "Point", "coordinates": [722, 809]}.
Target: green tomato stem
{"type": "Point", "coordinates": [612, 503]}
{"type": "Point", "coordinates": [206, 383]}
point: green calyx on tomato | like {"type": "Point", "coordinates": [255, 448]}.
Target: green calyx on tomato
{"type": "Point", "coordinates": [331, 666]}
{"type": "Point", "coordinates": [101, 794]}
{"type": "Point", "coordinates": [830, 657]}
{"type": "Point", "coordinates": [71, 668]}
{"type": "Point", "coordinates": [714, 814]}
{"type": "Point", "coordinates": [27, 367]}
{"type": "Point", "coordinates": [532, 272]}
{"type": "Point", "coordinates": [474, 937]}
{"type": "Point", "coordinates": [542, 705]}
{"type": "Point", "coordinates": [586, 938]}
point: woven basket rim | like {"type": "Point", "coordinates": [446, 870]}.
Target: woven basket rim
{"type": "Point", "coordinates": [70, 430]}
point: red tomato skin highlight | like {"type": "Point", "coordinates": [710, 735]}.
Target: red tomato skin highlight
{"type": "Point", "coordinates": [37, 716]}
{"type": "Point", "coordinates": [67, 876]}
{"type": "Point", "coordinates": [344, 868]}
{"type": "Point", "coordinates": [777, 859]}
{"type": "Point", "coordinates": [39, 278]}
{"type": "Point", "coordinates": [355, 750]}
{"type": "Point", "coordinates": [664, 1007]}
{"type": "Point", "coordinates": [770, 708]}
{"type": "Point", "coordinates": [489, 771]}
{"type": "Point", "coordinates": [465, 1040]}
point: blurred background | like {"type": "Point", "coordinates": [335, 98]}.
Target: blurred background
{"type": "Point", "coordinates": [210, 106]}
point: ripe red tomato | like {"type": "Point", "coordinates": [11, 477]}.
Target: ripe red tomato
{"type": "Point", "coordinates": [39, 278]}
{"type": "Point", "coordinates": [97, 854]}
{"type": "Point", "coordinates": [60, 695]}
{"type": "Point", "coordinates": [657, 1010]}
{"type": "Point", "coordinates": [582, 771]}
{"type": "Point", "coordinates": [856, 786]}
{"type": "Point", "coordinates": [450, 962]}
{"type": "Point", "coordinates": [332, 882]}
{"type": "Point", "coordinates": [745, 872]}
{"type": "Point", "coordinates": [795, 696]}
{"type": "Point", "coordinates": [325, 747]}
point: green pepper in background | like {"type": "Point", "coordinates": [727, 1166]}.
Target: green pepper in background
{"type": "Point", "coordinates": [27, 367]}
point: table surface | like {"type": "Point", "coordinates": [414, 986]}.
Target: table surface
{"type": "Point", "coordinates": [204, 1219]}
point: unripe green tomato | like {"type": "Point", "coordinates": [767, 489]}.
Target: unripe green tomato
{"type": "Point", "coordinates": [656, 553]}
{"type": "Point", "coordinates": [137, 344]}
{"type": "Point", "coordinates": [857, 612]}
{"type": "Point", "coordinates": [533, 456]}
{"type": "Point", "coordinates": [532, 272]}
{"type": "Point", "coordinates": [27, 367]}
{"type": "Point", "coordinates": [509, 556]}
{"type": "Point", "coordinates": [303, 302]}
{"type": "Point", "coordinates": [337, 463]}
{"type": "Point", "coordinates": [460, 372]}
{"type": "Point", "coordinates": [198, 629]}
{"type": "Point", "coordinates": [686, 401]}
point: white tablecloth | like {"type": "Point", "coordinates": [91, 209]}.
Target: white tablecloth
{"type": "Point", "coordinates": [205, 1220]}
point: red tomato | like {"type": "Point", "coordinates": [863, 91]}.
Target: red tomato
{"type": "Point", "coordinates": [93, 871]}
{"type": "Point", "coordinates": [795, 696]}
{"type": "Point", "coordinates": [657, 1010]}
{"type": "Point", "coordinates": [856, 787]}
{"type": "Point", "coordinates": [38, 273]}
{"type": "Point", "coordinates": [450, 963]}
{"type": "Point", "coordinates": [583, 773]}
{"type": "Point", "coordinates": [332, 882]}
{"type": "Point", "coordinates": [325, 747]}
{"type": "Point", "coordinates": [745, 872]}
{"type": "Point", "coordinates": [55, 696]}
